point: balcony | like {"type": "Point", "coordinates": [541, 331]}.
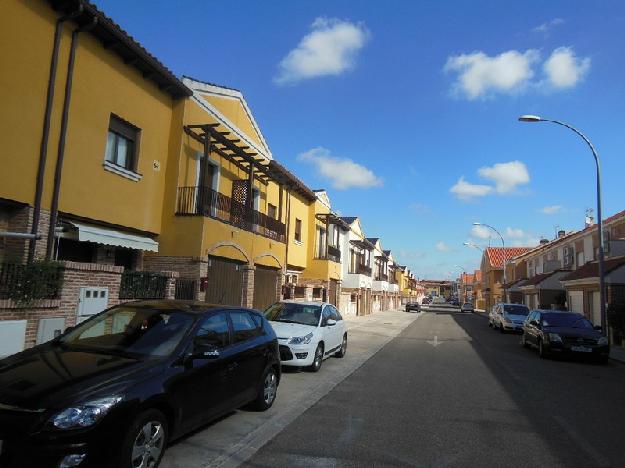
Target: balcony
{"type": "Point", "coordinates": [202, 201]}
{"type": "Point", "coordinates": [362, 269]}
{"type": "Point", "coordinates": [381, 277]}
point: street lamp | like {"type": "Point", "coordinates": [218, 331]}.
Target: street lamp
{"type": "Point", "coordinates": [505, 257]}
{"type": "Point", "coordinates": [535, 118]}
{"type": "Point", "coordinates": [473, 245]}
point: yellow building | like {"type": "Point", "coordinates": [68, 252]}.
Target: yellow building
{"type": "Point", "coordinates": [229, 207]}
{"type": "Point", "coordinates": [85, 119]}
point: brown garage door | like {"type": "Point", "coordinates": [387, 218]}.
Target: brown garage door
{"type": "Point", "coordinates": [225, 281]}
{"type": "Point", "coordinates": [265, 284]}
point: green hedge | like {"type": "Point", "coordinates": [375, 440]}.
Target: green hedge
{"type": "Point", "coordinates": [25, 283]}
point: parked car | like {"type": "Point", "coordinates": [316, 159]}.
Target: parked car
{"type": "Point", "coordinates": [114, 390]}
{"type": "Point", "coordinates": [454, 302]}
{"type": "Point", "coordinates": [413, 306]}
{"type": "Point", "coordinates": [308, 332]}
{"type": "Point", "coordinates": [509, 317]}
{"type": "Point", "coordinates": [564, 333]}
{"type": "Point", "coordinates": [426, 300]}
{"type": "Point", "coordinates": [466, 307]}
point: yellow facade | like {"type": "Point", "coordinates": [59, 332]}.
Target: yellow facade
{"type": "Point", "coordinates": [102, 85]}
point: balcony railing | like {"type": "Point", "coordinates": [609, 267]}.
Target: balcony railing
{"type": "Point", "coordinates": [206, 202]}
{"type": "Point", "coordinates": [334, 254]}
{"type": "Point", "coordinates": [363, 269]}
{"type": "Point", "coordinates": [381, 277]}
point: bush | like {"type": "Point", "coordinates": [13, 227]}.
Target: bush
{"type": "Point", "coordinates": [25, 283]}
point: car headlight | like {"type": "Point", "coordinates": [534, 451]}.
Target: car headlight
{"type": "Point", "coordinates": [555, 337]}
{"type": "Point", "coordinates": [85, 414]}
{"type": "Point", "coordinates": [301, 339]}
{"type": "Point", "coordinates": [602, 341]}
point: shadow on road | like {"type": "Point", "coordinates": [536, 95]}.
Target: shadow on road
{"type": "Point", "coordinates": [578, 408]}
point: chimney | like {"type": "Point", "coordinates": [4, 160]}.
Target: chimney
{"type": "Point", "coordinates": [561, 234]}
{"type": "Point", "coordinates": [544, 241]}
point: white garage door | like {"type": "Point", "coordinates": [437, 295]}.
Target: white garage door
{"type": "Point", "coordinates": [596, 308]}
{"type": "Point", "coordinates": [12, 336]}
{"type": "Point", "coordinates": [576, 301]}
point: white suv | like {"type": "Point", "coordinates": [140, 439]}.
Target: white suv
{"type": "Point", "coordinates": [308, 332]}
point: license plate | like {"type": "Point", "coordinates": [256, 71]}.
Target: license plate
{"type": "Point", "coordinates": [581, 349]}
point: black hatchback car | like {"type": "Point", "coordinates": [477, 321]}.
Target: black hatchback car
{"type": "Point", "coordinates": [115, 389]}
{"type": "Point", "coordinates": [564, 333]}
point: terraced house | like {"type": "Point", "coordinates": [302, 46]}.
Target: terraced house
{"type": "Point", "coordinates": [121, 181]}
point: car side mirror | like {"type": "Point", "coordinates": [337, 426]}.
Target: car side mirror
{"type": "Point", "coordinates": [331, 323]}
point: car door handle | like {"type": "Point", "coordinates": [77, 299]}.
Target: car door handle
{"type": "Point", "coordinates": [232, 366]}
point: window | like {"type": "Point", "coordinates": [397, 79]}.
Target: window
{"type": "Point", "coordinates": [244, 326]}
{"type": "Point", "coordinates": [298, 230]}
{"type": "Point", "coordinates": [214, 331]}
{"type": "Point", "coordinates": [321, 242]}
{"type": "Point", "coordinates": [122, 144]}
{"type": "Point", "coordinates": [272, 211]}
{"type": "Point", "coordinates": [76, 251]}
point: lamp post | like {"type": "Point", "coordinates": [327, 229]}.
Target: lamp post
{"type": "Point", "coordinates": [473, 245]}
{"type": "Point", "coordinates": [505, 257]}
{"type": "Point", "coordinates": [535, 118]}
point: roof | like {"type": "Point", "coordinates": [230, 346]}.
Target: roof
{"type": "Point", "coordinates": [591, 269]}
{"type": "Point", "coordinates": [467, 278]}
{"type": "Point", "coordinates": [386, 252]}
{"type": "Point", "coordinates": [349, 219]}
{"type": "Point", "coordinates": [281, 172]}
{"type": "Point", "coordinates": [537, 279]}
{"type": "Point", "coordinates": [113, 37]}
{"type": "Point", "coordinates": [373, 240]}
{"type": "Point", "coordinates": [497, 255]}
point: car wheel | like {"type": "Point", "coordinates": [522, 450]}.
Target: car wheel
{"type": "Point", "coordinates": [524, 342]}
{"type": "Point", "coordinates": [267, 391]}
{"type": "Point", "coordinates": [542, 352]}
{"type": "Point", "coordinates": [146, 440]}
{"type": "Point", "coordinates": [341, 352]}
{"type": "Point", "coordinates": [316, 365]}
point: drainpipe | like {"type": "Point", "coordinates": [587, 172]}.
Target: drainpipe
{"type": "Point", "coordinates": [54, 210]}
{"type": "Point", "coordinates": [43, 149]}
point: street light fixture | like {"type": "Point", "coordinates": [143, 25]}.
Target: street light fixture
{"type": "Point", "coordinates": [505, 257]}
{"type": "Point", "coordinates": [473, 245]}
{"type": "Point", "coordinates": [535, 118]}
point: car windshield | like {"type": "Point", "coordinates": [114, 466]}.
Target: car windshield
{"type": "Point", "coordinates": [294, 313]}
{"type": "Point", "coordinates": [516, 310]}
{"type": "Point", "coordinates": [566, 321]}
{"type": "Point", "coordinates": [129, 330]}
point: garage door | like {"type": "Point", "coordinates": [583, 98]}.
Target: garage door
{"type": "Point", "coordinates": [224, 281]}
{"type": "Point", "coordinates": [576, 301]}
{"type": "Point", "coordinates": [265, 286]}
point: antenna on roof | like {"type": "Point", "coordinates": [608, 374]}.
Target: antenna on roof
{"type": "Point", "coordinates": [590, 219]}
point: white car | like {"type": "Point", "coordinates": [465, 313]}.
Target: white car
{"type": "Point", "coordinates": [308, 332]}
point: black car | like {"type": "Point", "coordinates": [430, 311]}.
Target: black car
{"type": "Point", "coordinates": [413, 306]}
{"type": "Point", "coordinates": [114, 390]}
{"type": "Point", "coordinates": [564, 333]}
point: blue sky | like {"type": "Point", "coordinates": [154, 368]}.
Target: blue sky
{"type": "Point", "coordinates": [407, 111]}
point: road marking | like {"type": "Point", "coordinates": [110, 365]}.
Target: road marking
{"type": "Point", "coordinates": [435, 341]}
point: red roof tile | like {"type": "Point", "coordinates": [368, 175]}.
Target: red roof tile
{"type": "Point", "coordinates": [591, 269]}
{"type": "Point", "coordinates": [497, 255]}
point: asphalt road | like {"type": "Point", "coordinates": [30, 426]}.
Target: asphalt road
{"type": "Point", "coordinates": [449, 391]}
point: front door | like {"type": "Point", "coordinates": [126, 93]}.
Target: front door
{"type": "Point", "coordinates": [250, 352]}
{"type": "Point", "coordinates": [204, 386]}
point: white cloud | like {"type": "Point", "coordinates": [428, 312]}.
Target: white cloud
{"type": "Point", "coordinates": [479, 75]}
{"type": "Point", "coordinates": [481, 232]}
{"type": "Point", "coordinates": [527, 242]}
{"type": "Point", "coordinates": [564, 69]}
{"type": "Point", "coordinates": [466, 191]}
{"type": "Point", "coordinates": [548, 25]}
{"type": "Point", "coordinates": [442, 247]}
{"type": "Point", "coordinates": [507, 176]}
{"type": "Point", "coordinates": [329, 49]}
{"type": "Point", "coordinates": [343, 173]}
{"type": "Point", "coordinates": [515, 233]}
{"type": "Point", "coordinates": [552, 209]}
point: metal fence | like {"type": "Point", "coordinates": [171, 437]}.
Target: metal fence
{"type": "Point", "coordinates": [37, 280]}
{"type": "Point", "coordinates": [206, 202]}
{"type": "Point", "coordinates": [185, 289]}
{"type": "Point", "coordinates": [142, 285]}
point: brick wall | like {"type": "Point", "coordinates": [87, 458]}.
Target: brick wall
{"type": "Point", "coordinates": [247, 298]}
{"type": "Point", "coordinates": [189, 268]}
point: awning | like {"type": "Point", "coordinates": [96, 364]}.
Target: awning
{"type": "Point", "coordinates": [106, 236]}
